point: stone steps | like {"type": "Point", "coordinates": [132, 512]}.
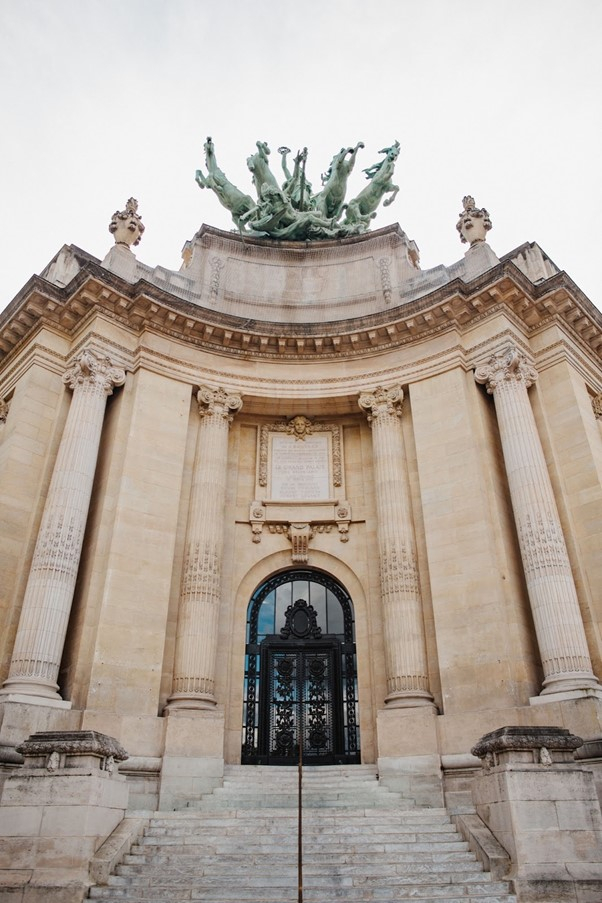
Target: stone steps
{"type": "Point", "coordinates": [359, 846]}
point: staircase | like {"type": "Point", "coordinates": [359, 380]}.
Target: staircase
{"type": "Point", "coordinates": [361, 843]}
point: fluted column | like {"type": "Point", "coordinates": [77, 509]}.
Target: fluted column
{"type": "Point", "coordinates": [403, 626]}
{"type": "Point", "coordinates": [558, 624]}
{"type": "Point", "coordinates": [49, 594]}
{"type": "Point", "coordinates": [200, 593]}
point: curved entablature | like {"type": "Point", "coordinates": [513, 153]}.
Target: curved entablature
{"type": "Point", "coordinates": [76, 286]}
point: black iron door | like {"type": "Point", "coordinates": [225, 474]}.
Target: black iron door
{"type": "Point", "coordinates": [300, 684]}
{"type": "Point", "coordinates": [301, 702]}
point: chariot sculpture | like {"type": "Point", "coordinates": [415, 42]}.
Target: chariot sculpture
{"type": "Point", "coordinates": [291, 211]}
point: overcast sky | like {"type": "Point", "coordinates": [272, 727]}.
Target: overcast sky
{"type": "Point", "coordinates": [105, 99]}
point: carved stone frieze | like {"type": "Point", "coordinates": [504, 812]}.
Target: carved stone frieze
{"type": "Point", "coordinates": [202, 571]}
{"type": "Point", "coordinates": [596, 406]}
{"type": "Point", "coordinates": [384, 265]}
{"type": "Point", "coordinates": [55, 744]}
{"type": "Point", "coordinates": [4, 409]}
{"type": "Point", "coordinates": [94, 373]}
{"type": "Point", "coordinates": [535, 739]}
{"type": "Point", "coordinates": [217, 266]}
{"type": "Point", "coordinates": [59, 544]}
{"type": "Point", "coordinates": [399, 573]}
{"type": "Point", "coordinates": [509, 365]}
{"type": "Point", "coordinates": [543, 545]}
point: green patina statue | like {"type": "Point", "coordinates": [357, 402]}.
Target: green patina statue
{"type": "Point", "coordinates": [292, 211]}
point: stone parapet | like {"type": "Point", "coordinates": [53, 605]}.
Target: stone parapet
{"type": "Point", "coordinates": [56, 812]}
{"type": "Point", "coordinates": [542, 808]}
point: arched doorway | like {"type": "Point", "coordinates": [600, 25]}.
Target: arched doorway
{"type": "Point", "coordinates": [300, 672]}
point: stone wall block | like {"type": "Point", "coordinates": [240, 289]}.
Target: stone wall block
{"type": "Point", "coordinates": [545, 813]}
{"type": "Point", "coordinates": [54, 815]}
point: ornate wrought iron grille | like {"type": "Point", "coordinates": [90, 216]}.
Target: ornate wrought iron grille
{"type": "Point", "coordinates": [300, 672]}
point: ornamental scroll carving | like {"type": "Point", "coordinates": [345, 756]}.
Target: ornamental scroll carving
{"type": "Point", "coordinates": [382, 402]}
{"type": "Point", "coordinates": [218, 403]}
{"type": "Point", "coordinates": [506, 366]}
{"type": "Point", "coordinates": [92, 372]}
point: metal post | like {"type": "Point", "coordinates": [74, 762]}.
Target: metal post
{"type": "Point", "coordinates": [300, 824]}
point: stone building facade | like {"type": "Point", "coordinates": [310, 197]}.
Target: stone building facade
{"type": "Point", "coordinates": [292, 466]}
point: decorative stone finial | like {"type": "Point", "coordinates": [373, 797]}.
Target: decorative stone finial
{"type": "Point", "coordinates": [126, 226]}
{"type": "Point", "coordinates": [474, 222]}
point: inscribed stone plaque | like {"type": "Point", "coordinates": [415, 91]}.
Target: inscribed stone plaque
{"type": "Point", "coordinates": [300, 468]}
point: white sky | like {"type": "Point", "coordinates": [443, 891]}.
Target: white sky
{"type": "Point", "coordinates": [104, 99]}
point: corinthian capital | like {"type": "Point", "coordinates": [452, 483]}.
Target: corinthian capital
{"type": "Point", "coordinates": [509, 365]}
{"type": "Point", "coordinates": [91, 370]}
{"type": "Point", "coordinates": [382, 402]}
{"type": "Point", "coordinates": [218, 402]}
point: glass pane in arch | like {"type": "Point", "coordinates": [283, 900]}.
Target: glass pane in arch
{"type": "Point", "coordinates": [334, 616]}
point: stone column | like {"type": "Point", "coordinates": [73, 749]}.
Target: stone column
{"type": "Point", "coordinates": [49, 593]}
{"type": "Point", "coordinates": [403, 627]}
{"type": "Point", "coordinates": [196, 638]}
{"type": "Point", "coordinates": [550, 585]}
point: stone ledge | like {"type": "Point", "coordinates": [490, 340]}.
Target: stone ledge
{"type": "Point", "coordinates": [115, 847]}
{"type": "Point", "coordinates": [507, 739]}
{"type": "Point", "coordinates": [483, 844]}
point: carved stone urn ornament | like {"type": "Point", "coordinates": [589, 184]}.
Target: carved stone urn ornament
{"type": "Point", "coordinates": [474, 222]}
{"type": "Point", "coordinates": [126, 226]}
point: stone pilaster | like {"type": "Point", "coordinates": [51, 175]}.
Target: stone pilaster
{"type": "Point", "coordinates": [196, 639]}
{"type": "Point", "coordinates": [403, 626]}
{"type": "Point", "coordinates": [49, 594]}
{"type": "Point", "coordinates": [558, 624]}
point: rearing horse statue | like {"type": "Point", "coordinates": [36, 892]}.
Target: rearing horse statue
{"type": "Point", "coordinates": [260, 168]}
{"type": "Point", "coordinates": [363, 208]}
{"type": "Point", "coordinates": [228, 194]}
{"type": "Point", "coordinates": [332, 197]}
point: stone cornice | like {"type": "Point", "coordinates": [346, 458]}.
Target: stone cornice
{"type": "Point", "coordinates": [456, 305]}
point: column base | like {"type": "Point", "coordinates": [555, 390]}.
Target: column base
{"type": "Point", "coordinates": [565, 695]}
{"type": "Point", "coordinates": [32, 691]}
{"type": "Point", "coordinates": [189, 703]}
{"type": "Point", "coordinates": [35, 700]}
{"type": "Point", "coordinates": [410, 699]}
{"type": "Point", "coordinates": [576, 686]}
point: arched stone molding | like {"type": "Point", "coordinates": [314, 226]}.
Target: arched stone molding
{"type": "Point", "coordinates": [264, 569]}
